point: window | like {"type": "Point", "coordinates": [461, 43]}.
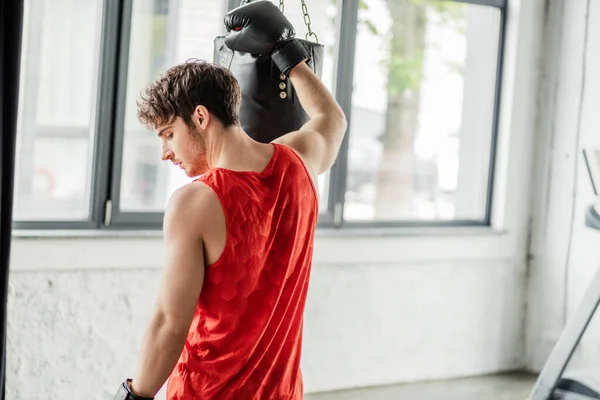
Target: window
{"type": "Point", "coordinates": [418, 80]}
{"type": "Point", "coordinates": [57, 110]}
{"type": "Point", "coordinates": [422, 111]}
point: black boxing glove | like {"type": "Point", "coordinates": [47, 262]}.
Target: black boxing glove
{"type": "Point", "coordinates": [260, 28]}
{"type": "Point", "coordinates": [125, 393]}
{"type": "Point", "coordinates": [288, 54]}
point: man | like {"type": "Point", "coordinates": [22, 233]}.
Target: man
{"type": "Point", "coordinates": [239, 239]}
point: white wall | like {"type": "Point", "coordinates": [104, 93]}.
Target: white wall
{"type": "Point", "coordinates": [383, 307]}
{"type": "Point", "coordinates": [565, 254]}
{"type": "Point", "coordinates": [406, 309]}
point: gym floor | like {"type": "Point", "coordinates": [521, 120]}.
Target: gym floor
{"type": "Point", "coordinates": [493, 387]}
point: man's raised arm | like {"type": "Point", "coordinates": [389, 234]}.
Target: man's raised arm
{"type": "Point", "coordinates": [319, 140]}
{"type": "Point", "coordinates": [260, 28]}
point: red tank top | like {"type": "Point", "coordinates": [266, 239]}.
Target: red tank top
{"type": "Point", "coordinates": [246, 336]}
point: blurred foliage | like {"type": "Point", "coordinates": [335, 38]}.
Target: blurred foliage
{"type": "Point", "coordinates": [451, 13]}
{"type": "Point", "coordinates": [364, 19]}
{"type": "Point", "coordinates": [404, 73]}
{"type": "Point", "coordinates": [404, 69]}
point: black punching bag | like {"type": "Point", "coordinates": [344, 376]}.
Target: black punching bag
{"type": "Point", "coordinates": [270, 107]}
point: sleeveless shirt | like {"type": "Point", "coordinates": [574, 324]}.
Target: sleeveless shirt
{"type": "Point", "coordinates": [245, 339]}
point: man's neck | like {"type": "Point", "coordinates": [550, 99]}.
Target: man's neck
{"type": "Point", "coordinates": [229, 148]}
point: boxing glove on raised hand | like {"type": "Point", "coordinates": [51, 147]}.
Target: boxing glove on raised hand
{"type": "Point", "coordinates": [260, 28]}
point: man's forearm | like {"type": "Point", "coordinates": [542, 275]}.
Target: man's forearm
{"type": "Point", "coordinates": [160, 351]}
{"type": "Point", "coordinates": [314, 97]}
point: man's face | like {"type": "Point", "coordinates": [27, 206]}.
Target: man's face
{"type": "Point", "coordinates": [184, 147]}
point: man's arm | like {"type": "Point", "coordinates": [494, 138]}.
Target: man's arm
{"type": "Point", "coordinates": [318, 141]}
{"type": "Point", "coordinates": [181, 284]}
{"type": "Point", "coordinates": [260, 28]}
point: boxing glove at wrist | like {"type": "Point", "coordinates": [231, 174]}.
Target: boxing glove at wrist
{"type": "Point", "coordinates": [288, 54]}
{"type": "Point", "coordinates": [125, 393]}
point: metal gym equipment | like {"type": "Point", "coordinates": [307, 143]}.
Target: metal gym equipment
{"type": "Point", "coordinates": [556, 381]}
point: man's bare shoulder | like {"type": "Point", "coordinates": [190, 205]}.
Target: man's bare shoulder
{"type": "Point", "coordinates": [191, 207]}
{"type": "Point", "coordinates": [296, 141]}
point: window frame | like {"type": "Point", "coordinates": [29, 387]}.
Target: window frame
{"type": "Point", "coordinates": [344, 99]}
{"type": "Point", "coordinates": [116, 218]}
{"type": "Point", "coordinates": [104, 211]}
{"type": "Point", "coordinates": [103, 124]}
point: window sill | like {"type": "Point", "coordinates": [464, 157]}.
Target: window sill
{"type": "Point", "coordinates": [366, 232]}
{"type": "Point", "coordinates": [429, 232]}
{"type": "Point", "coordinates": [56, 234]}
{"type": "Point", "coordinates": [100, 250]}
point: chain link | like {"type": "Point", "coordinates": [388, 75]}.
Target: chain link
{"type": "Point", "coordinates": [307, 22]}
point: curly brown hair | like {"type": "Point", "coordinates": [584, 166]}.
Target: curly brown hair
{"type": "Point", "coordinates": [183, 87]}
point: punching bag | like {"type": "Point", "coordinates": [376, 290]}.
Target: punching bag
{"type": "Point", "coordinates": [270, 106]}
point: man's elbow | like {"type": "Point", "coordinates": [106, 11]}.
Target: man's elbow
{"type": "Point", "coordinates": [341, 122]}
{"type": "Point", "coordinates": [171, 325]}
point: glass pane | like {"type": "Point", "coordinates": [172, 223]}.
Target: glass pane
{"type": "Point", "coordinates": [422, 111]}
{"type": "Point", "coordinates": [57, 103]}
{"type": "Point", "coordinates": [165, 33]}
{"type": "Point", "coordinates": [323, 188]}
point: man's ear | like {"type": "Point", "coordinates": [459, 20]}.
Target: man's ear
{"type": "Point", "coordinates": [201, 117]}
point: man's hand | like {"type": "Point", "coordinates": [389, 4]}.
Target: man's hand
{"type": "Point", "coordinates": [256, 28]}
{"type": "Point", "coordinates": [260, 28]}
{"type": "Point", "coordinates": [180, 289]}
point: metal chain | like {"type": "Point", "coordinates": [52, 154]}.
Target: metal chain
{"type": "Point", "coordinates": [307, 22]}
{"type": "Point", "coordinates": [306, 19]}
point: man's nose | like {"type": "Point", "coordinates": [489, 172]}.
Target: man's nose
{"type": "Point", "coordinates": [167, 154]}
